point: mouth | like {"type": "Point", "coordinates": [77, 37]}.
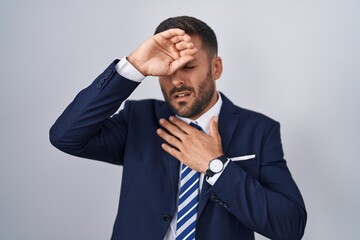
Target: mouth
{"type": "Point", "coordinates": [181, 95]}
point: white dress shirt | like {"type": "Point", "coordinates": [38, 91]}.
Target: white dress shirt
{"type": "Point", "coordinates": [125, 69]}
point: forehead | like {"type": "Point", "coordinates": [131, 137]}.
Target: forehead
{"type": "Point", "coordinates": [201, 51]}
{"type": "Point", "coordinates": [197, 42]}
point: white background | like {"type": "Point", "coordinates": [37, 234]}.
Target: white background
{"type": "Point", "coordinates": [295, 61]}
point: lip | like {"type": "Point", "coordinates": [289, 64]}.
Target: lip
{"type": "Point", "coordinates": [180, 96]}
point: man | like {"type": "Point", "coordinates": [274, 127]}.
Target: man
{"type": "Point", "coordinates": [195, 166]}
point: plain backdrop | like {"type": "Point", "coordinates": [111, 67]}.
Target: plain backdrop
{"type": "Point", "coordinates": [295, 61]}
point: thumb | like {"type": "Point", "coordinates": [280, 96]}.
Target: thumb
{"type": "Point", "coordinates": [214, 123]}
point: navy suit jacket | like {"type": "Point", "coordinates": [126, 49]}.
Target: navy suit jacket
{"type": "Point", "coordinates": [258, 194]}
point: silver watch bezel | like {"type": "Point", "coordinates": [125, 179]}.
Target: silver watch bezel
{"type": "Point", "coordinates": [216, 165]}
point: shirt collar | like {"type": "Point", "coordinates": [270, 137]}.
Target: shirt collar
{"type": "Point", "coordinates": [204, 120]}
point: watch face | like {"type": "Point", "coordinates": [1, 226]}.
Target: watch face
{"type": "Point", "coordinates": [216, 165]}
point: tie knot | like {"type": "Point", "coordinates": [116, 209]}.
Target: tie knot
{"type": "Point", "coordinates": [195, 126]}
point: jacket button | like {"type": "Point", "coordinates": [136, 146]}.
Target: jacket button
{"type": "Point", "coordinates": [98, 85]}
{"type": "Point", "coordinates": [166, 218]}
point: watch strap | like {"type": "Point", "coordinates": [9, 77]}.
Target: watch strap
{"type": "Point", "coordinates": [210, 173]}
{"type": "Point", "coordinates": [223, 159]}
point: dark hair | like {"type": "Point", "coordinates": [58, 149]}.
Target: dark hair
{"type": "Point", "coordinates": [192, 26]}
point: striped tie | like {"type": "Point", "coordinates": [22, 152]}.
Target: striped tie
{"type": "Point", "coordinates": [188, 201]}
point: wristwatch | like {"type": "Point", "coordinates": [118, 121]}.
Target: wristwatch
{"type": "Point", "coordinates": [215, 166]}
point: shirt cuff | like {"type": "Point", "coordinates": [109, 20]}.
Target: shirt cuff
{"type": "Point", "coordinates": [212, 180]}
{"type": "Point", "coordinates": [127, 70]}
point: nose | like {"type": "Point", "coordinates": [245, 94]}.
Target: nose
{"type": "Point", "coordinates": [176, 79]}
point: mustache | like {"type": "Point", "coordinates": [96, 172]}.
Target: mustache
{"type": "Point", "coordinates": [179, 89]}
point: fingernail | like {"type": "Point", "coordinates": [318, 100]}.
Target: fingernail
{"type": "Point", "coordinates": [171, 118]}
{"type": "Point", "coordinates": [161, 121]}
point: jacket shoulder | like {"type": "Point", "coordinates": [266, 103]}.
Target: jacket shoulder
{"type": "Point", "coordinates": [245, 114]}
{"type": "Point", "coordinates": [252, 115]}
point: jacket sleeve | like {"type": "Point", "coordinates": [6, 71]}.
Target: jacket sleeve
{"type": "Point", "coordinates": [270, 204]}
{"type": "Point", "coordinates": [87, 128]}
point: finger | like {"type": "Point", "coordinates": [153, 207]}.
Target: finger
{"type": "Point", "coordinates": [214, 123]}
{"type": "Point", "coordinates": [182, 125]}
{"type": "Point", "coordinates": [170, 139]}
{"type": "Point", "coordinates": [172, 129]}
{"type": "Point", "coordinates": [179, 63]}
{"type": "Point", "coordinates": [174, 53]}
{"type": "Point", "coordinates": [171, 33]}
{"type": "Point", "coordinates": [172, 151]}
{"type": "Point", "coordinates": [190, 52]}
{"type": "Point", "coordinates": [184, 45]}
{"type": "Point", "coordinates": [179, 38]}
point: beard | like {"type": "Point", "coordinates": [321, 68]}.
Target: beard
{"type": "Point", "coordinates": [201, 100]}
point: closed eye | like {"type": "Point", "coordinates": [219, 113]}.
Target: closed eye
{"type": "Point", "coordinates": [188, 67]}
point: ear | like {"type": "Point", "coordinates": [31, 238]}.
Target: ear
{"type": "Point", "coordinates": [217, 67]}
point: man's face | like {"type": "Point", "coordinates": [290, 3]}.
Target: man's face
{"type": "Point", "coordinates": [191, 90]}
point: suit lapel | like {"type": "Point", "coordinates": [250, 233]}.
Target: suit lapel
{"type": "Point", "coordinates": [228, 120]}
{"type": "Point", "coordinates": [203, 197]}
{"type": "Point", "coordinates": [172, 163]}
